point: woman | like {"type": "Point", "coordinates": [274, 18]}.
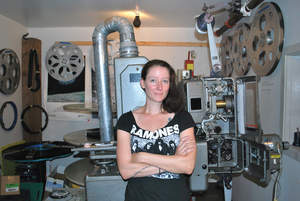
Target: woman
{"type": "Point", "coordinates": [157, 174]}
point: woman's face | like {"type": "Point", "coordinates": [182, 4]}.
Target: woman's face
{"type": "Point", "coordinates": [157, 83]}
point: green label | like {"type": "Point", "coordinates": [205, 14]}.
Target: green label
{"type": "Point", "coordinates": [11, 187]}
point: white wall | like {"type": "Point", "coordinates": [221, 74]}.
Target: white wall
{"type": "Point", "coordinates": [11, 37]}
{"type": "Point", "coordinates": [175, 55]}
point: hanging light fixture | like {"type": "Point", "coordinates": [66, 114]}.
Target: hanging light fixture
{"type": "Point", "coordinates": [137, 21]}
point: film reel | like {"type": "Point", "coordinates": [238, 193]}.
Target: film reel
{"type": "Point", "coordinates": [241, 59]}
{"type": "Point", "coordinates": [26, 126]}
{"type": "Point", "coordinates": [38, 151]}
{"type": "Point", "coordinates": [266, 38]}
{"type": "Point", "coordinates": [15, 110]}
{"type": "Point", "coordinates": [9, 71]}
{"type": "Point", "coordinates": [226, 55]}
{"type": "Point", "coordinates": [64, 61]}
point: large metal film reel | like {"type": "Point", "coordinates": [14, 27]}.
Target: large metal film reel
{"type": "Point", "coordinates": [226, 55]}
{"type": "Point", "coordinates": [9, 71]}
{"type": "Point", "coordinates": [64, 61]}
{"type": "Point", "coordinates": [241, 60]}
{"type": "Point", "coordinates": [266, 38]}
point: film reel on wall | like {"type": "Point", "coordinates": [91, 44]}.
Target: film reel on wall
{"type": "Point", "coordinates": [226, 55]}
{"type": "Point", "coordinates": [266, 38]}
{"type": "Point", "coordinates": [64, 61]}
{"type": "Point", "coordinates": [9, 71]}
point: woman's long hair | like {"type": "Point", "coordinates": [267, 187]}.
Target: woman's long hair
{"type": "Point", "coordinates": [174, 101]}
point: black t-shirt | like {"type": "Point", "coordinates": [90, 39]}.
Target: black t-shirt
{"type": "Point", "coordinates": [158, 187]}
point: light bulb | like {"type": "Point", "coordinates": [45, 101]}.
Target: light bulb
{"type": "Point", "coordinates": [137, 21]}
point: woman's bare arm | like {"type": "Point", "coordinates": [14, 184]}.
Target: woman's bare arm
{"type": "Point", "coordinates": [127, 167]}
{"type": "Point", "coordinates": [182, 162]}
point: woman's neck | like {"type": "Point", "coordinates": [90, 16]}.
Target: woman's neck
{"type": "Point", "coordinates": [153, 109]}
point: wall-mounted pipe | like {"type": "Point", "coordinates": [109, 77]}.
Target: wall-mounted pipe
{"type": "Point", "coordinates": [128, 48]}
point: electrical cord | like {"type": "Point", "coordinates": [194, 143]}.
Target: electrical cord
{"type": "Point", "coordinates": [275, 194]}
{"type": "Point", "coordinates": [26, 127]}
{"type": "Point", "coordinates": [13, 105]}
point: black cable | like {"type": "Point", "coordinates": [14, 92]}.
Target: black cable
{"type": "Point", "coordinates": [37, 73]}
{"type": "Point", "coordinates": [25, 36]}
{"type": "Point", "coordinates": [25, 126]}
{"type": "Point", "coordinates": [30, 69]}
{"type": "Point", "coordinates": [33, 62]}
{"type": "Point", "coordinates": [13, 105]}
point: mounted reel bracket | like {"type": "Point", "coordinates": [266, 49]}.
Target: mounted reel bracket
{"type": "Point", "coordinates": [64, 61]}
{"type": "Point", "coordinates": [9, 71]}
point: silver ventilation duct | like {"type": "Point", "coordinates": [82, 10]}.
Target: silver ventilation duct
{"type": "Point", "coordinates": [128, 48]}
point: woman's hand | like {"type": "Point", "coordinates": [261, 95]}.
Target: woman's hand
{"type": "Point", "coordinates": [128, 163]}
{"type": "Point", "coordinates": [182, 162]}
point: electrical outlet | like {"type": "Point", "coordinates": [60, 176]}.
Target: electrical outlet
{"type": "Point", "coordinates": [193, 54]}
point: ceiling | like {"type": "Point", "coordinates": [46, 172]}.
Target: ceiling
{"type": "Point", "coordinates": [82, 13]}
